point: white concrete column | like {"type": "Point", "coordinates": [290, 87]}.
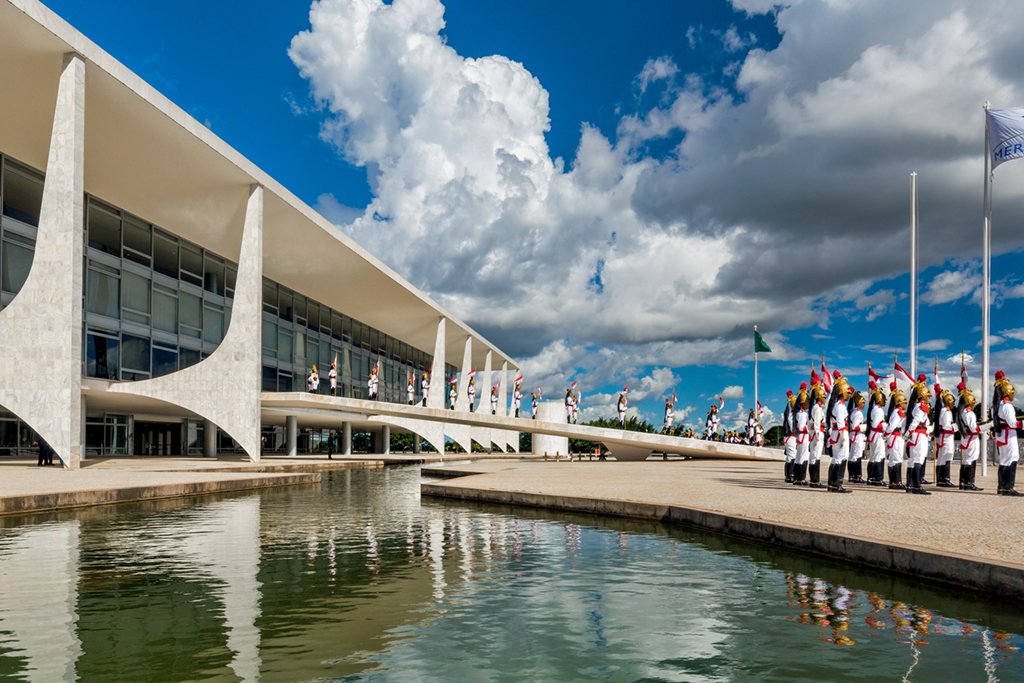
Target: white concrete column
{"type": "Point", "coordinates": [225, 387]}
{"type": "Point", "coordinates": [209, 439]}
{"type": "Point", "coordinates": [550, 411]}
{"type": "Point", "coordinates": [461, 399]}
{"type": "Point", "coordinates": [291, 438]}
{"type": "Point", "coordinates": [385, 439]}
{"type": "Point", "coordinates": [485, 382]}
{"type": "Point", "coordinates": [41, 329]}
{"type": "Point", "coordinates": [346, 438]}
{"type": "Point", "coordinates": [503, 390]}
{"type": "Point", "coordinates": [438, 392]}
{"type": "Point", "coordinates": [416, 446]}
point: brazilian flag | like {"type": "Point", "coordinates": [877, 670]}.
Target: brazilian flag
{"type": "Point", "coordinates": [759, 345]}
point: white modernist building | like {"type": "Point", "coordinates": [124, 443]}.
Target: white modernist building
{"type": "Point", "coordinates": [162, 295]}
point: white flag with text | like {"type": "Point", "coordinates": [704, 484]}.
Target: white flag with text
{"type": "Point", "coordinates": [1005, 135]}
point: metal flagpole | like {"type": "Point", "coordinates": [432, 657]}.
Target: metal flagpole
{"type": "Point", "coordinates": [755, 369]}
{"type": "Point", "coordinates": [986, 257]}
{"type": "Point", "coordinates": [913, 275]}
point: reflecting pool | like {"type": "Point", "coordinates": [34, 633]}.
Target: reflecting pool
{"type": "Point", "coordinates": [357, 579]}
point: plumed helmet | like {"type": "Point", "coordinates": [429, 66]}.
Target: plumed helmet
{"type": "Point", "coordinates": [966, 396]}
{"type": "Point", "coordinates": [818, 392]}
{"type": "Point", "coordinates": [899, 397]}
{"type": "Point", "coordinates": [858, 399]}
{"type": "Point", "coordinates": [842, 387]}
{"type": "Point", "coordinates": [803, 386]}
{"type": "Point", "coordinates": [1005, 387]}
{"type": "Point", "coordinates": [802, 398]}
{"type": "Point", "coordinates": [790, 398]}
{"type": "Point", "coordinates": [947, 398]}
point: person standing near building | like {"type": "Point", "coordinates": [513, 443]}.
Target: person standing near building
{"type": "Point", "coordinates": [373, 384]}
{"type": "Point", "coordinates": [452, 395]}
{"type": "Point", "coordinates": [670, 416]}
{"type": "Point", "coordinates": [517, 395]}
{"type": "Point", "coordinates": [410, 390]}
{"type": "Point", "coordinates": [332, 377]}
{"type": "Point", "coordinates": [751, 428]}
{"type": "Point", "coordinates": [839, 436]}
{"type": "Point", "coordinates": [876, 436]}
{"type": "Point", "coordinates": [1006, 425]}
{"type": "Point", "coordinates": [425, 387]}
{"type": "Point", "coordinates": [494, 400]}
{"type": "Point", "coordinates": [570, 403]}
{"type": "Point", "coordinates": [471, 392]}
{"type": "Point", "coordinates": [917, 426]}
{"type": "Point", "coordinates": [858, 439]}
{"type": "Point", "coordinates": [895, 444]}
{"type": "Point", "coordinates": [313, 381]}
{"type": "Point", "coordinates": [970, 438]}
{"type": "Point", "coordinates": [788, 436]}
{"type": "Point", "coordinates": [801, 429]}
{"type": "Point", "coordinates": [711, 423]}
{"type": "Point", "coordinates": [622, 406]}
{"type": "Point", "coordinates": [534, 400]}
{"type": "Point", "coordinates": [945, 431]}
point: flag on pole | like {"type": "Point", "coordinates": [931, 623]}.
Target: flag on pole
{"type": "Point", "coordinates": [471, 373]}
{"type": "Point", "coordinates": [721, 403]}
{"type": "Point", "coordinates": [759, 345]}
{"type": "Point", "coordinates": [900, 374]}
{"type": "Point", "coordinates": [963, 369]}
{"type": "Point", "coordinates": [760, 410]}
{"type": "Point", "coordinates": [814, 376]}
{"type": "Point", "coordinates": [935, 378]}
{"type": "Point", "coordinates": [518, 379]}
{"type": "Point", "coordinates": [872, 375]}
{"type": "Point", "coordinates": [1005, 135]}
{"type": "Point", "coordinates": [454, 380]}
{"type": "Point", "coordinates": [826, 376]}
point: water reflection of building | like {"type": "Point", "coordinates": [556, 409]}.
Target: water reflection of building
{"type": "Point", "coordinates": [38, 601]}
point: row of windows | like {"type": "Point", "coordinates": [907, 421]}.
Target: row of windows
{"type": "Point", "coordinates": [155, 303]}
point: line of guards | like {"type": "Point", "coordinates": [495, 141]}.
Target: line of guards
{"type": "Point", "coordinates": [893, 431]}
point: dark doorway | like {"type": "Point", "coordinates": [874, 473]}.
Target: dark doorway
{"type": "Point", "coordinates": [157, 438]}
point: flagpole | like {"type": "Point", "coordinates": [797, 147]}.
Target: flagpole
{"type": "Point", "coordinates": [755, 368]}
{"type": "Point", "coordinates": [986, 257]}
{"type": "Point", "coordinates": [913, 274]}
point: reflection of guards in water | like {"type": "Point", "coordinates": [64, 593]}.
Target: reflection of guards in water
{"type": "Point", "coordinates": [841, 605]}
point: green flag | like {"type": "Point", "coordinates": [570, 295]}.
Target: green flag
{"type": "Point", "coordinates": [759, 345]}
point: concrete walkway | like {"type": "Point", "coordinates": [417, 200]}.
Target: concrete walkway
{"type": "Point", "coordinates": [950, 536]}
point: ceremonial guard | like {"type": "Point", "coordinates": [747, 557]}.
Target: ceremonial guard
{"type": "Point", "coordinates": [876, 436]}
{"type": "Point", "coordinates": [839, 436]}
{"type": "Point", "coordinates": [818, 397]}
{"type": "Point", "coordinates": [670, 416]}
{"type": "Point", "coordinates": [372, 384]}
{"type": "Point", "coordinates": [332, 377]}
{"type": "Point", "coordinates": [471, 392]}
{"type": "Point", "coordinates": [945, 429]}
{"type": "Point", "coordinates": [517, 397]}
{"type": "Point", "coordinates": [313, 381]}
{"type": "Point", "coordinates": [917, 428]}
{"type": "Point", "coordinates": [789, 436]}
{"type": "Point", "coordinates": [533, 405]}
{"type": "Point", "coordinates": [570, 405]}
{"type": "Point", "coordinates": [452, 396]}
{"type": "Point", "coordinates": [620, 408]}
{"type": "Point", "coordinates": [1006, 424]}
{"type": "Point", "coordinates": [711, 423]}
{"type": "Point", "coordinates": [970, 438]}
{"type": "Point", "coordinates": [894, 442]}
{"type": "Point", "coordinates": [858, 438]}
{"type": "Point", "coordinates": [752, 428]}
{"type": "Point", "coordinates": [425, 387]}
{"type": "Point", "coordinates": [494, 400]}
{"type": "Point", "coordinates": [801, 429]}
{"type": "Point", "coordinates": [410, 390]}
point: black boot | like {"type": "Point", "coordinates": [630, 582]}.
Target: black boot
{"type": "Point", "coordinates": [919, 481]}
{"type": "Point", "coordinates": [943, 476]}
{"type": "Point", "coordinates": [816, 476]}
{"type": "Point", "coordinates": [972, 471]}
{"type": "Point", "coordinates": [840, 471]}
{"type": "Point", "coordinates": [911, 480]}
{"type": "Point", "coordinates": [964, 477]}
{"type": "Point", "coordinates": [789, 472]}
{"type": "Point", "coordinates": [1011, 479]}
{"type": "Point", "coordinates": [831, 476]}
{"type": "Point", "coordinates": [1001, 480]}
{"type": "Point", "coordinates": [880, 473]}
{"type": "Point", "coordinates": [921, 470]}
{"type": "Point", "coordinates": [893, 477]}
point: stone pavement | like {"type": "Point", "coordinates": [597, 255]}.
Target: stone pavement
{"type": "Point", "coordinates": [951, 535]}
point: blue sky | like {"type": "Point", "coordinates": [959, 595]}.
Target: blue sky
{"type": "Point", "coordinates": [631, 185]}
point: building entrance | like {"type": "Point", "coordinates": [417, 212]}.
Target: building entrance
{"type": "Point", "coordinates": [157, 438]}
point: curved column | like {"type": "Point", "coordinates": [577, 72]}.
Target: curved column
{"type": "Point", "coordinates": [484, 436]}
{"type": "Point", "coordinates": [438, 391]}
{"type": "Point", "coordinates": [545, 444]}
{"type": "Point", "coordinates": [41, 329]}
{"type": "Point", "coordinates": [461, 398]}
{"type": "Point", "coordinates": [431, 432]}
{"type": "Point", "coordinates": [225, 387]}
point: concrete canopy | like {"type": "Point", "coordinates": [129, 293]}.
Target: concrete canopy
{"type": "Point", "coordinates": [146, 155]}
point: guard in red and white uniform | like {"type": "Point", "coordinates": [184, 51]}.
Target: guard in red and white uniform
{"type": "Point", "coordinates": [895, 445]}
{"type": "Point", "coordinates": [801, 432]}
{"type": "Point", "coordinates": [332, 377]}
{"type": "Point", "coordinates": [517, 397]}
{"type": "Point", "coordinates": [917, 429]}
{"type": "Point", "coordinates": [670, 416]}
{"type": "Point", "coordinates": [621, 406]}
{"type": "Point", "coordinates": [876, 436]}
{"type": "Point", "coordinates": [839, 437]}
{"type": "Point", "coordinates": [945, 434]}
{"type": "Point", "coordinates": [410, 391]}
{"type": "Point", "coordinates": [1006, 425]}
{"type": "Point", "coordinates": [817, 427]}
{"type": "Point", "coordinates": [424, 388]}
{"type": "Point", "coordinates": [789, 436]}
{"type": "Point", "coordinates": [858, 438]}
{"type": "Point", "coordinates": [494, 400]}
{"type": "Point", "coordinates": [970, 437]}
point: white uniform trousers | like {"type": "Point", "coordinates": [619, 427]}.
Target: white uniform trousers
{"type": "Point", "coordinates": [970, 448]}
{"type": "Point", "coordinates": [944, 449]}
{"type": "Point", "coordinates": [917, 449]}
{"type": "Point", "coordinates": [857, 448]}
{"type": "Point", "coordinates": [1006, 446]}
{"type": "Point", "coordinates": [894, 445]}
{"type": "Point", "coordinates": [789, 448]}
{"type": "Point", "coordinates": [817, 447]}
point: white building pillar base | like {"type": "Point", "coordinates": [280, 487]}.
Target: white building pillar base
{"type": "Point", "coordinates": [346, 438]}
{"type": "Point", "coordinates": [385, 439]}
{"type": "Point", "coordinates": [291, 438]}
{"type": "Point", "coordinates": [544, 444]}
{"type": "Point", "coordinates": [209, 439]}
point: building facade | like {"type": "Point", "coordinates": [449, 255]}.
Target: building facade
{"type": "Point", "coordinates": [155, 285]}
